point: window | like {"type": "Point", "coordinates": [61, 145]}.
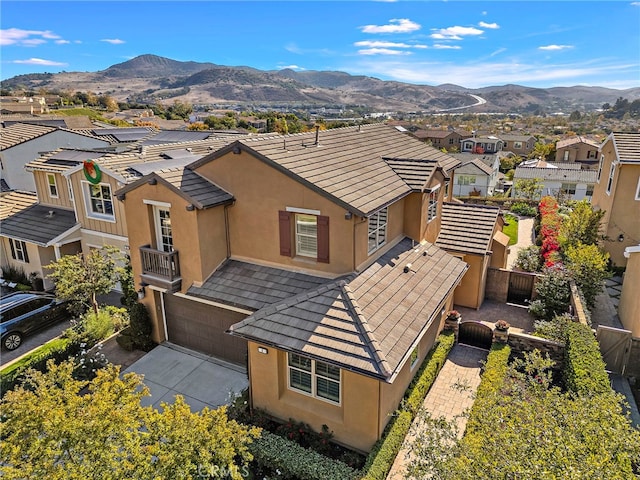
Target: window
{"type": "Point", "coordinates": [307, 235]}
{"type": "Point", "coordinates": [451, 141]}
{"type": "Point", "coordinates": [19, 250]}
{"type": "Point", "coordinates": [517, 145]}
{"type": "Point", "coordinates": [414, 357]}
{"type": "Point", "coordinates": [589, 192]}
{"type": "Point", "coordinates": [70, 187]}
{"type": "Point", "coordinates": [53, 187]}
{"type": "Point", "coordinates": [378, 229]}
{"type": "Point", "coordinates": [591, 154]}
{"type": "Point", "coordinates": [432, 208]}
{"type": "Point", "coordinates": [304, 233]}
{"type": "Point", "coordinates": [314, 378]}
{"type": "Point", "coordinates": [164, 236]}
{"type": "Point", "coordinates": [638, 190]}
{"type": "Point", "coordinates": [569, 188]}
{"type": "Point", "coordinates": [99, 202]}
{"type": "Point", "coordinates": [466, 180]}
{"type": "Point", "coordinates": [566, 156]}
{"type": "Point", "coordinates": [600, 168]}
{"type": "Point", "coordinates": [612, 172]}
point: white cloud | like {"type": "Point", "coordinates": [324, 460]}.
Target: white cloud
{"type": "Point", "coordinates": [40, 61]}
{"type": "Point", "coordinates": [455, 33]}
{"type": "Point", "coordinates": [492, 26]}
{"type": "Point", "coordinates": [26, 38]}
{"type": "Point", "coordinates": [62, 42]}
{"type": "Point", "coordinates": [382, 51]}
{"type": "Point", "coordinates": [291, 67]}
{"type": "Point", "coordinates": [396, 25]}
{"type": "Point", "coordinates": [440, 46]}
{"type": "Point", "coordinates": [635, 4]}
{"type": "Point", "coordinates": [113, 41]}
{"type": "Point", "coordinates": [554, 47]}
{"type": "Point", "coordinates": [497, 52]}
{"type": "Point", "coordinates": [374, 44]}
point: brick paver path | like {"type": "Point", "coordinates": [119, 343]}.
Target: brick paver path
{"type": "Point", "coordinates": [451, 394]}
{"type": "Point", "coordinates": [525, 239]}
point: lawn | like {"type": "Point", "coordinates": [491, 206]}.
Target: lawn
{"type": "Point", "coordinates": [511, 229]}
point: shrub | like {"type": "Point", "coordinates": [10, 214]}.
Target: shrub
{"type": "Point", "coordinates": [528, 259]}
{"type": "Point", "coordinates": [288, 460]}
{"type": "Point", "coordinates": [588, 265]}
{"type": "Point", "coordinates": [584, 370]}
{"type": "Point", "coordinates": [524, 209]}
{"type": "Point", "coordinates": [553, 291]}
{"type": "Point", "coordinates": [554, 329]}
{"type": "Point", "coordinates": [305, 436]}
{"type": "Point", "coordinates": [138, 334]}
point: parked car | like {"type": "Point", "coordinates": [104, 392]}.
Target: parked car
{"type": "Point", "coordinates": [23, 313]}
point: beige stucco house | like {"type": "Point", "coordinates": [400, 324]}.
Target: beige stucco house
{"type": "Point", "coordinates": [629, 306]}
{"type": "Point", "coordinates": [617, 192]}
{"type": "Point", "coordinates": [318, 253]}
{"type": "Point", "coordinates": [577, 149]}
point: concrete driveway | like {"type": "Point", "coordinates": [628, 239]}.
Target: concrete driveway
{"type": "Point", "coordinates": [202, 380]}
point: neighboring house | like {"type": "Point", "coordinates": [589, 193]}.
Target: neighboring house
{"type": "Point", "coordinates": [34, 235]}
{"type": "Point", "coordinates": [316, 252]}
{"type": "Point", "coordinates": [572, 182]}
{"type": "Point", "coordinates": [24, 105]}
{"type": "Point", "coordinates": [617, 192]}
{"type": "Point", "coordinates": [449, 139]}
{"type": "Point", "coordinates": [521, 145]}
{"type": "Point", "coordinates": [86, 215]}
{"type": "Point", "coordinates": [477, 175]}
{"type": "Point", "coordinates": [629, 306]}
{"type": "Point", "coordinates": [21, 143]}
{"type": "Point", "coordinates": [482, 144]}
{"type": "Point", "coordinates": [577, 149]}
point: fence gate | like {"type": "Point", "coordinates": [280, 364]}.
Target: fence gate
{"type": "Point", "coordinates": [615, 347]}
{"type": "Point", "coordinates": [520, 287]}
{"type": "Point", "coordinates": [475, 334]}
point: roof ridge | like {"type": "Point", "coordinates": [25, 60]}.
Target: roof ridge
{"type": "Point", "coordinates": [376, 348]}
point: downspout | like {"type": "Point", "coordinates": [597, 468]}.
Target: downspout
{"type": "Point", "coordinates": [226, 229]}
{"type": "Point", "coordinates": [379, 408]}
{"type": "Point", "coordinates": [355, 224]}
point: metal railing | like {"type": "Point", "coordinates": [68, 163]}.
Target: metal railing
{"type": "Point", "coordinates": [162, 264]}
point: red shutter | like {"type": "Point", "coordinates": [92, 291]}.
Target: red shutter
{"type": "Point", "coordinates": [285, 233]}
{"type": "Point", "coordinates": [323, 239]}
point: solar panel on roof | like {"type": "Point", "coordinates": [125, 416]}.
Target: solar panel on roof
{"type": "Point", "coordinates": [178, 153]}
{"type": "Point", "coordinates": [75, 155]}
{"type": "Point", "coordinates": [129, 136]}
{"type": "Point", "coordinates": [174, 136]}
{"type": "Point", "coordinates": [150, 167]}
{"type": "Point", "coordinates": [115, 131]}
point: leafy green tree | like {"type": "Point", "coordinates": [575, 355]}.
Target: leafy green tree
{"type": "Point", "coordinates": [542, 150]}
{"type": "Point", "coordinates": [80, 278]}
{"type": "Point", "coordinates": [529, 188]}
{"type": "Point", "coordinates": [51, 431]}
{"type": "Point", "coordinates": [582, 225]}
{"type": "Point", "coordinates": [588, 267]}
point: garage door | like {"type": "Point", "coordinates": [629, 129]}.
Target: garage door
{"type": "Point", "coordinates": [201, 327]}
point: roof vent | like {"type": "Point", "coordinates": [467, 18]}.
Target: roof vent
{"type": "Point", "coordinates": [407, 268]}
{"type": "Point", "coordinates": [50, 214]}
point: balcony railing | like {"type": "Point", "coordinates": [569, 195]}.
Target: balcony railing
{"type": "Point", "coordinates": [162, 264]}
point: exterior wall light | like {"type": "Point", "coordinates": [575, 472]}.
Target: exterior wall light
{"type": "Point", "coordinates": [263, 350]}
{"type": "Point", "coordinates": [621, 237]}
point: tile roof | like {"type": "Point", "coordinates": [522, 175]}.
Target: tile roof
{"type": "Point", "coordinates": [14, 201]}
{"type": "Point", "coordinates": [627, 146]}
{"type": "Point", "coordinates": [36, 224]}
{"type": "Point", "coordinates": [557, 174]}
{"type": "Point", "coordinates": [467, 228]}
{"type": "Point", "coordinates": [200, 191]}
{"type": "Point", "coordinates": [416, 173]}
{"type": "Point", "coordinates": [478, 164]}
{"type": "Point", "coordinates": [369, 324]}
{"type": "Point", "coordinates": [247, 285]}
{"type": "Point", "coordinates": [512, 137]}
{"type": "Point", "coordinates": [21, 132]}
{"type": "Point", "coordinates": [346, 164]}
{"type": "Point", "coordinates": [567, 142]}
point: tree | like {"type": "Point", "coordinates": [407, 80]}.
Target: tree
{"type": "Point", "coordinates": [581, 226]}
{"type": "Point", "coordinates": [51, 431]}
{"type": "Point", "coordinates": [542, 150]}
{"type": "Point", "coordinates": [529, 188]}
{"type": "Point", "coordinates": [80, 278]}
{"type": "Point", "coordinates": [588, 266]}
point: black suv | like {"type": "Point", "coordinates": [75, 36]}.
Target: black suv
{"type": "Point", "coordinates": [23, 313]}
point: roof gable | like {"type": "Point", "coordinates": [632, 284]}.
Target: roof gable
{"type": "Point", "coordinates": [627, 147]}
{"type": "Point", "coordinates": [467, 227]}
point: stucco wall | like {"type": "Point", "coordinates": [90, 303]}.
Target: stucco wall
{"type": "Point", "coordinates": [469, 293]}
{"type": "Point", "coordinates": [629, 306]}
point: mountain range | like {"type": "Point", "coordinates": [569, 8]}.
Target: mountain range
{"type": "Point", "coordinates": [150, 78]}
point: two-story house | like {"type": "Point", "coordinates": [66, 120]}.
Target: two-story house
{"type": "Point", "coordinates": [617, 192]}
{"type": "Point", "coordinates": [482, 144]}
{"type": "Point", "coordinates": [477, 175]}
{"type": "Point", "coordinates": [449, 139]}
{"type": "Point", "coordinates": [568, 180]}
{"type": "Point", "coordinates": [577, 149]}
{"type": "Point", "coordinates": [317, 253]}
{"type": "Point", "coordinates": [521, 145]}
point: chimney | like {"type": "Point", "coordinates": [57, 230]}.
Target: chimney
{"type": "Point", "coordinates": [317, 133]}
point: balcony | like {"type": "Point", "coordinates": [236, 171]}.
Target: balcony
{"type": "Point", "coordinates": [161, 269]}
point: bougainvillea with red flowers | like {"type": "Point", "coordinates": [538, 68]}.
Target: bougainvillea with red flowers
{"type": "Point", "coordinates": [550, 222]}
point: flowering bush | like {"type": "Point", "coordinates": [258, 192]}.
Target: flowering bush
{"type": "Point", "coordinates": [453, 314]}
{"type": "Point", "coordinates": [550, 222]}
{"type": "Point", "coordinates": [502, 325]}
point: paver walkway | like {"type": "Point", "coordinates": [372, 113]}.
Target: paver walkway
{"type": "Point", "coordinates": [450, 396]}
{"type": "Point", "coordinates": [525, 239]}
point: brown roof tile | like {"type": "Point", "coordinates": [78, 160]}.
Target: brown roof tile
{"type": "Point", "coordinates": [467, 228]}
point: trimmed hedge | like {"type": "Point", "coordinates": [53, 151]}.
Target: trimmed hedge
{"type": "Point", "coordinates": [384, 452]}
{"type": "Point", "coordinates": [584, 370]}
{"type": "Point", "coordinates": [293, 461]}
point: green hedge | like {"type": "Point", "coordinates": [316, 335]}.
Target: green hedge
{"type": "Point", "coordinates": [384, 452]}
{"type": "Point", "coordinates": [293, 461]}
{"type": "Point", "coordinates": [584, 370]}
{"type": "Point", "coordinates": [58, 349]}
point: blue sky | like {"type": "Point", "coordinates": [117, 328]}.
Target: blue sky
{"type": "Point", "coordinates": [472, 44]}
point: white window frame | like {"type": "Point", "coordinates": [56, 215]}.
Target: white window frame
{"type": "Point", "coordinates": [158, 212]}
{"type": "Point", "coordinates": [467, 180]}
{"type": "Point", "coordinates": [432, 206]}
{"type": "Point", "coordinates": [612, 172]}
{"type": "Point", "coordinates": [565, 157]}
{"type": "Point", "coordinates": [303, 221]}
{"type": "Point", "coordinates": [517, 145]}
{"type": "Point", "coordinates": [637, 197]}
{"type": "Point", "coordinates": [313, 376]}
{"type": "Point", "coordinates": [415, 356]}
{"type": "Point", "coordinates": [589, 190]}
{"type": "Point", "coordinates": [53, 187]}
{"type": "Point", "coordinates": [19, 248]}
{"type": "Point", "coordinates": [571, 190]}
{"type": "Point", "coordinates": [378, 228]}
{"type": "Point", "coordinates": [86, 191]}
{"type": "Point", "coordinates": [70, 187]}
{"type": "Point", "coordinates": [600, 168]}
